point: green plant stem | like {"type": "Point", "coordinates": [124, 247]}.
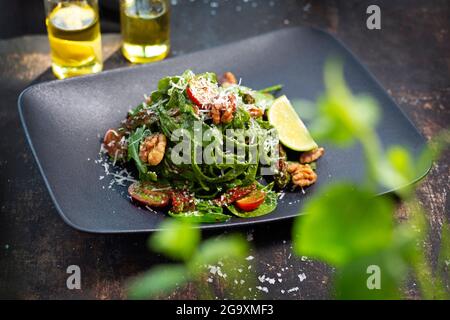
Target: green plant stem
{"type": "Point", "coordinates": [372, 151]}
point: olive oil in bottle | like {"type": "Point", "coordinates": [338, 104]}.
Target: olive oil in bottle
{"type": "Point", "coordinates": [145, 27]}
{"type": "Point", "coordinates": [74, 36]}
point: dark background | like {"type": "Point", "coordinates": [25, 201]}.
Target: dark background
{"type": "Point", "coordinates": [410, 56]}
{"type": "Point", "coordinates": [32, 17]}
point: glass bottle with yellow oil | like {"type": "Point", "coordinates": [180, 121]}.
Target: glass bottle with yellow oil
{"type": "Point", "coordinates": [74, 36]}
{"type": "Point", "coordinates": [145, 27]}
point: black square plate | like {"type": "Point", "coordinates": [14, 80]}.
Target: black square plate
{"type": "Point", "coordinates": [63, 121]}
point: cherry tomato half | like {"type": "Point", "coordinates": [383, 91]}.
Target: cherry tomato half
{"type": "Point", "coordinates": [202, 92]}
{"type": "Point", "coordinates": [252, 201]}
{"type": "Point", "coordinates": [143, 193]}
{"type": "Point", "coordinates": [191, 96]}
{"type": "Point", "coordinates": [234, 194]}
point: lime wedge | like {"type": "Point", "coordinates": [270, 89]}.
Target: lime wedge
{"type": "Point", "coordinates": [291, 129]}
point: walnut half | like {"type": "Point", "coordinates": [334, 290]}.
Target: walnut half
{"type": "Point", "coordinates": [227, 79]}
{"type": "Point", "coordinates": [302, 174]}
{"type": "Point", "coordinates": [311, 156]}
{"type": "Point", "coordinates": [223, 111]}
{"type": "Point", "coordinates": [256, 112]}
{"type": "Point", "coordinates": [152, 149]}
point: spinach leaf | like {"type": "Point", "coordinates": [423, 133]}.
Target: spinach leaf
{"type": "Point", "coordinates": [177, 239]}
{"type": "Point", "coordinates": [165, 83]}
{"type": "Point", "coordinates": [178, 100]}
{"type": "Point", "coordinates": [157, 95]}
{"type": "Point", "coordinates": [205, 212]}
{"type": "Point", "coordinates": [269, 205]}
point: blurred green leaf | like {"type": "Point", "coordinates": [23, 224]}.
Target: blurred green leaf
{"type": "Point", "coordinates": [213, 250]}
{"type": "Point", "coordinates": [327, 127]}
{"type": "Point", "coordinates": [344, 222]}
{"type": "Point", "coordinates": [398, 171]}
{"type": "Point", "coordinates": [356, 279]}
{"type": "Point", "coordinates": [178, 239]}
{"type": "Point", "coordinates": [342, 115]}
{"type": "Point", "coordinates": [401, 161]}
{"type": "Point", "coordinates": [159, 280]}
{"type": "Point", "coordinates": [393, 263]}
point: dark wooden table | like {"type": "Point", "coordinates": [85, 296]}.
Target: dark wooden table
{"type": "Point", "coordinates": [410, 56]}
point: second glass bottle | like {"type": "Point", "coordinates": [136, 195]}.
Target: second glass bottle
{"type": "Point", "coordinates": [145, 27]}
